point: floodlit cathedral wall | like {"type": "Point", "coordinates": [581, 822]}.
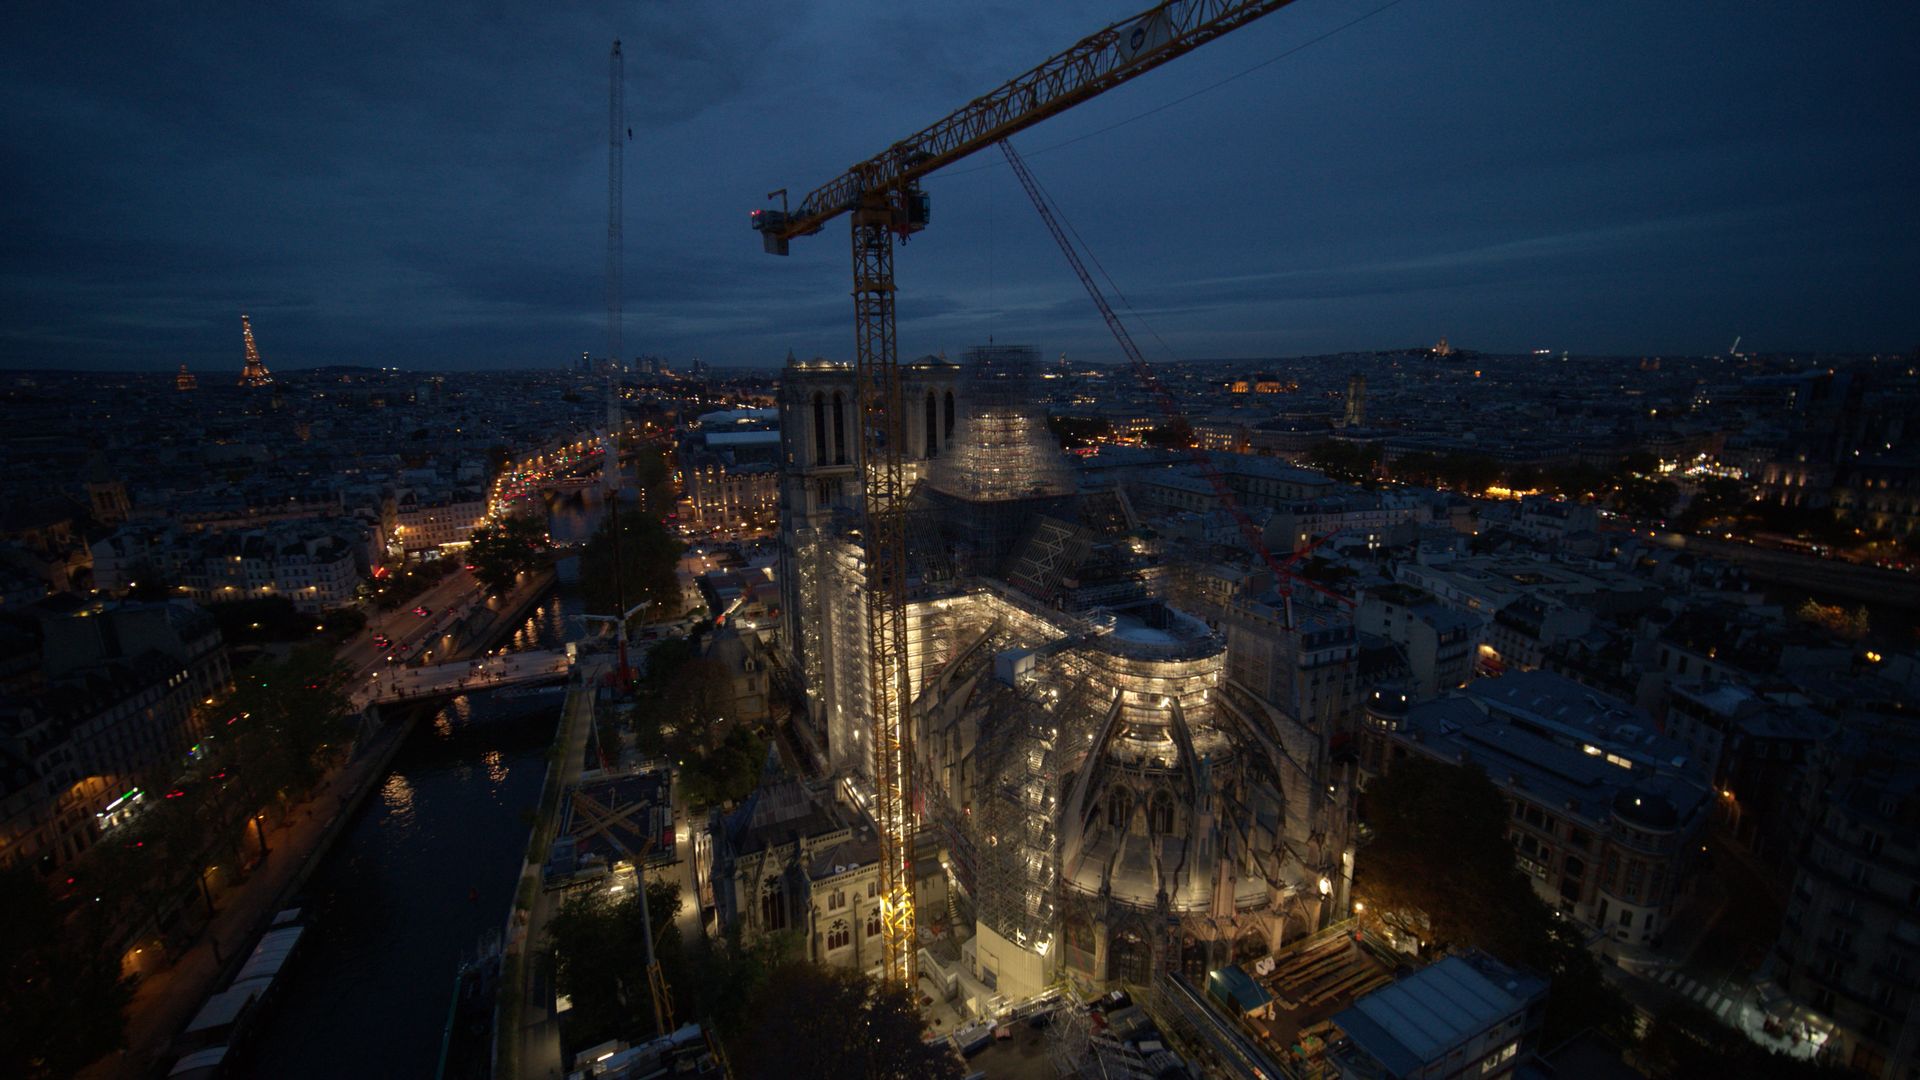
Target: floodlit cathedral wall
{"type": "Point", "coordinates": [823, 625]}
{"type": "Point", "coordinates": [1108, 810]}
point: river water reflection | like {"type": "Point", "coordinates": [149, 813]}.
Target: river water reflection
{"type": "Point", "coordinates": [426, 867]}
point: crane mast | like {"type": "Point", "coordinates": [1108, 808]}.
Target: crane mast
{"type": "Point", "coordinates": [883, 524]}
{"type": "Point", "coordinates": [883, 197]}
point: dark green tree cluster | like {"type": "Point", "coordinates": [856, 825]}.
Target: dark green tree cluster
{"type": "Point", "coordinates": [501, 551]}
{"type": "Point", "coordinates": [724, 773]}
{"type": "Point", "coordinates": [777, 1015]}
{"type": "Point", "coordinates": [813, 1021]}
{"type": "Point", "coordinates": [1074, 432]}
{"type": "Point", "coordinates": [260, 621]}
{"type": "Point", "coordinates": [1456, 470]}
{"type": "Point", "coordinates": [1175, 434]}
{"type": "Point", "coordinates": [683, 695]}
{"type": "Point", "coordinates": [61, 994]}
{"type": "Point", "coordinates": [648, 561]}
{"type": "Point", "coordinates": [653, 479]}
{"type": "Point", "coordinates": [399, 589]}
{"type": "Point", "coordinates": [599, 956]}
{"type": "Point", "coordinates": [1356, 463]}
{"type": "Point", "coordinates": [1441, 869]}
{"type": "Point", "coordinates": [1719, 501]}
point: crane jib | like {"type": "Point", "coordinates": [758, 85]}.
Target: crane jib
{"type": "Point", "coordinates": [1092, 66]}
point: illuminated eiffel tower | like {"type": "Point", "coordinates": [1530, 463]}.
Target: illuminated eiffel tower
{"type": "Point", "coordinates": [255, 373]}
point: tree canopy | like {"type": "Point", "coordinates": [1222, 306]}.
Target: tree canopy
{"type": "Point", "coordinates": [61, 994]}
{"type": "Point", "coordinates": [503, 549]}
{"type": "Point", "coordinates": [648, 565]}
{"type": "Point", "coordinates": [779, 1015]}
{"type": "Point", "coordinates": [1441, 868]}
{"type": "Point", "coordinates": [600, 960]}
{"type": "Point", "coordinates": [806, 1020]}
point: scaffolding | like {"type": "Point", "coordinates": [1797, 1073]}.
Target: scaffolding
{"type": "Point", "coordinates": [1002, 450]}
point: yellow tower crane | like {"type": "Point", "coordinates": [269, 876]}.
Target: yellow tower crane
{"type": "Point", "coordinates": [882, 196]}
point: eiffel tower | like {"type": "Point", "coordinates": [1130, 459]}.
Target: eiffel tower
{"type": "Point", "coordinates": [255, 373]}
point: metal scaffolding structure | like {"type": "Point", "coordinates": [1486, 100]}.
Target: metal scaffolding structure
{"type": "Point", "coordinates": [1003, 449]}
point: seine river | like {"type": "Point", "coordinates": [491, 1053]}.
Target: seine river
{"type": "Point", "coordinates": [427, 867]}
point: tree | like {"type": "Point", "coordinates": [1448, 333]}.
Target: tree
{"type": "Point", "coordinates": [1175, 434]}
{"type": "Point", "coordinates": [1440, 868]}
{"type": "Point", "coordinates": [503, 550]}
{"type": "Point", "coordinates": [288, 714]}
{"type": "Point", "coordinates": [598, 944]}
{"type": "Point", "coordinates": [649, 562]}
{"type": "Point", "coordinates": [265, 619]}
{"type": "Point", "coordinates": [1078, 431]}
{"type": "Point", "coordinates": [653, 477]}
{"type": "Point", "coordinates": [1525, 478]}
{"type": "Point", "coordinates": [1350, 461]}
{"type": "Point", "coordinates": [1440, 851]}
{"type": "Point", "coordinates": [808, 1021]}
{"type": "Point", "coordinates": [727, 773]}
{"type": "Point", "coordinates": [1577, 482]}
{"type": "Point", "coordinates": [1717, 499]}
{"type": "Point", "coordinates": [1470, 472]}
{"type": "Point", "coordinates": [1645, 497]}
{"type": "Point", "coordinates": [343, 623]}
{"type": "Point", "coordinates": [1417, 467]}
{"type": "Point", "coordinates": [61, 994]}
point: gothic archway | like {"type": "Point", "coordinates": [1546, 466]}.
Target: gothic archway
{"type": "Point", "coordinates": [1129, 959]}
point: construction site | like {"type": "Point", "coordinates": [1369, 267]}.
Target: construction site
{"type": "Point", "coordinates": [991, 667]}
{"type": "Point", "coordinates": [1102, 798]}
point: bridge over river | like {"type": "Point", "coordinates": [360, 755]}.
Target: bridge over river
{"type": "Point", "coordinates": [401, 684]}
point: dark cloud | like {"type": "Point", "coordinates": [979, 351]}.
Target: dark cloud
{"type": "Point", "coordinates": [426, 184]}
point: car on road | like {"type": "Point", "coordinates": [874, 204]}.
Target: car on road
{"type": "Point", "coordinates": [423, 611]}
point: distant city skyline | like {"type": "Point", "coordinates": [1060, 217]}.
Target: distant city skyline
{"type": "Point", "coordinates": [428, 190]}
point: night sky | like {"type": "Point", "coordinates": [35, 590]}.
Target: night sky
{"type": "Point", "coordinates": [380, 185]}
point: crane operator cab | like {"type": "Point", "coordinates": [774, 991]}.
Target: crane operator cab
{"type": "Point", "coordinates": [772, 227]}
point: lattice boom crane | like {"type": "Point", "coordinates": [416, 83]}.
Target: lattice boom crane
{"type": "Point", "coordinates": [883, 198]}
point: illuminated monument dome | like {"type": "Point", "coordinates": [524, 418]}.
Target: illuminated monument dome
{"type": "Point", "coordinates": [1104, 796]}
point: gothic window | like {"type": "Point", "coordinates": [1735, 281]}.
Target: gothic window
{"type": "Point", "coordinates": [773, 905]}
{"type": "Point", "coordinates": [819, 429]}
{"type": "Point", "coordinates": [873, 924]}
{"type": "Point", "coordinates": [836, 900]}
{"type": "Point", "coordinates": [839, 935]}
{"type": "Point", "coordinates": [1129, 959]}
{"type": "Point", "coordinates": [933, 428]}
{"type": "Point", "coordinates": [1194, 960]}
{"type": "Point", "coordinates": [1160, 814]}
{"type": "Point", "coordinates": [947, 432]}
{"type": "Point", "coordinates": [1119, 807]}
{"type": "Point", "coordinates": [839, 430]}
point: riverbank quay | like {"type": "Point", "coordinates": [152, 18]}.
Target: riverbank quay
{"type": "Point", "coordinates": [166, 1000]}
{"type": "Point", "coordinates": [484, 628]}
{"type": "Point", "coordinates": [526, 1027]}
